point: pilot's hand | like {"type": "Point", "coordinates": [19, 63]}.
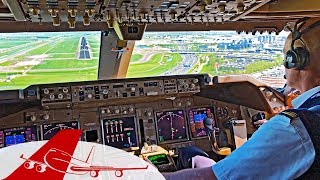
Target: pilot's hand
{"type": "Point", "coordinates": [201, 162]}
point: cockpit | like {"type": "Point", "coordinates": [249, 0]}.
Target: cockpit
{"type": "Point", "coordinates": [146, 77]}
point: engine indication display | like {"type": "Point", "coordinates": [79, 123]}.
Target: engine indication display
{"type": "Point", "coordinates": [49, 130]}
{"type": "Point", "coordinates": [196, 117]}
{"type": "Point", "coordinates": [18, 135]}
{"type": "Point", "coordinates": [171, 126]}
{"type": "Point", "coordinates": [120, 132]}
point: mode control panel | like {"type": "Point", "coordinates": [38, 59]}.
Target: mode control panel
{"type": "Point", "coordinates": [55, 94]}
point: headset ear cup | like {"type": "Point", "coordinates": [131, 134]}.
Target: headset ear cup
{"type": "Point", "coordinates": [303, 57]}
{"type": "Point", "coordinates": [291, 59]}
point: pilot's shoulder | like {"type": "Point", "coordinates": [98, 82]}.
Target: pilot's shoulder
{"type": "Point", "coordinates": [284, 118]}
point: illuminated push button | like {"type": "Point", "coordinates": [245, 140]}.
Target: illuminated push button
{"type": "Point", "coordinates": [103, 111]}
{"type": "Point", "coordinates": [132, 89]}
{"type": "Point", "coordinates": [60, 96]}
{"type": "Point", "coordinates": [46, 91]}
{"type": "Point", "coordinates": [273, 100]}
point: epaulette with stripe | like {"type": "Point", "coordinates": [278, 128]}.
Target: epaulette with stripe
{"type": "Point", "coordinates": [289, 114]}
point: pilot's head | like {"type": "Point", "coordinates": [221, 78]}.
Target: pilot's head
{"type": "Point", "coordinates": [307, 77]}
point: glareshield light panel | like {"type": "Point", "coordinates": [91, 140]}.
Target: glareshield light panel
{"type": "Point", "coordinates": [43, 57]}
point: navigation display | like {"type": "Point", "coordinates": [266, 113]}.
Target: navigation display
{"type": "Point", "coordinates": [196, 117]}
{"type": "Point", "coordinates": [120, 132]}
{"type": "Point", "coordinates": [12, 136]}
{"type": "Point", "coordinates": [171, 125]}
{"type": "Point", "coordinates": [49, 130]}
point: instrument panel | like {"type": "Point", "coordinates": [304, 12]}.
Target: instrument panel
{"type": "Point", "coordinates": [167, 111]}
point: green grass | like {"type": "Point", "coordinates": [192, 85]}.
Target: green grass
{"type": "Point", "coordinates": [67, 55]}
{"type": "Point", "coordinates": [63, 64]}
{"type": "Point", "coordinates": [67, 45]}
{"type": "Point", "coordinates": [9, 43]}
{"type": "Point", "coordinates": [154, 66]}
{"type": "Point", "coordinates": [49, 77]}
{"type": "Point", "coordinates": [135, 57]}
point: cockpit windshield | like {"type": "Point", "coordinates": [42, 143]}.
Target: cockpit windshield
{"type": "Point", "coordinates": [40, 58]}
{"type": "Point", "coordinates": [211, 52]}
{"type": "Point", "coordinates": [36, 58]}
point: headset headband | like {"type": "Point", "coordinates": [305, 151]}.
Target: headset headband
{"type": "Point", "coordinates": [296, 33]}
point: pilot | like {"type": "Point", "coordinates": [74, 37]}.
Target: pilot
{"type": "Point", "coordinates": [288, 146]}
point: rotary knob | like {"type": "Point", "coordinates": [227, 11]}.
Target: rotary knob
{"type": "Point", "coordinates": [179, 103]}
{"type": "Point", "coordinates": [65, 90]}
{"type": "Point", "coordinates": [132, 89]}
{"type": "Point", "coordinates": [46, 91]}
{"type": "Point", "coordinates": [192, 85]}
{"type": "Point", "coordinates": [189, 103]}
{"type": "Point", "coordinates": [195, 81]}
{"type": "Point", "coordinates": [105, 91]}
{"type": "Point", "coordinates": [185, 86]}
{"type": "Point", "coordinates": [116, 111]}
{"type": "Point", "coordinates": [45, 116]}
{"type": "Point", "coordinates": [89, 96]}
{"type": "Point", "coordinates": [131, 109]}
{"type": "Point", "coordinates": [60, 96]}
{"type": "Point", "coordinates": [52, 96]}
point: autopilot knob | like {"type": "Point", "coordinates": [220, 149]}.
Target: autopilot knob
{"type": "Point", "coordinates": [185, 86]}
{"type": "Point", "coordinates": [52, 96]}
{"type": "Point", "coordinates": [195, 81]}
{"type": "Point", "coordinates": [31, 118]}
{"type": "Point", "coordinates": [60, 96]}
{"type": "Point", "coordinates": [65, 90]}
{"type": "Point", "coordinates": [45, 117]}
{"type": "Point", "coordinates": [117, 111]}
{"type": "Point", "coordinates": [105, 91]}
{"type": "Point", "coordinates": [46, 91]}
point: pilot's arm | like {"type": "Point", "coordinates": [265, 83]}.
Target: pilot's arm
{"type": "Point", "coordinates": [278, 150]}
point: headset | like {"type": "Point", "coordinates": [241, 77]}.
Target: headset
{"type": "Point", "coordinates": [298, 57]}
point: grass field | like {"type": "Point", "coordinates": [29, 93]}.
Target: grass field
{"type": "Point", "coordinates": [135, 57]}
{"type": "Point", "coordinates": [157, 65]}
{"type": "Point", "coordinates": [47, 60]}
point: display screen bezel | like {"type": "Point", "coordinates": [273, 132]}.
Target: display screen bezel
{"type": "Point", "coordinates": [30, 126]}
{"type": "Point", "coordinates": [56, 122]}
{"type": "Point", "coordinates": [201, 107]}
{"type": "Point", "coordinates": [185, 121]}
{"type": "Point", "coordinates": [112, 118]}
